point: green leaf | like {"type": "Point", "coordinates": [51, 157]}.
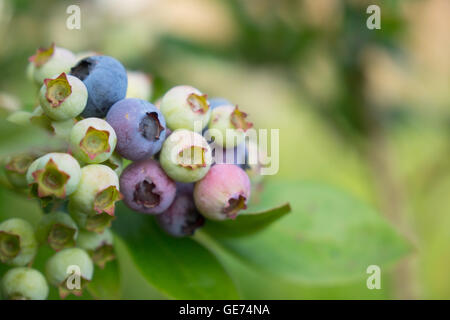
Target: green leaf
{"type": "Point", "coordinates": [179, 268]}
{"type": "Point", "coordinates": [246, 223]}
{"type": "Point", "coordinates": [16, 139]}
{"type": "Point", "coordinates": [105, 284]}
{"type": "Point", "coordinates": [329, 238]}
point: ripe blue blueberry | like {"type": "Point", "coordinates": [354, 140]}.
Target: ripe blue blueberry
{"type": "Point", "coordinates": [24, 284]}
{"type": "Point", "coordinates": [185, 107]}
{"type": "Point", "coordinates": [185, 156]}
{"type": "Point", "coordinates": [63, 97]}
{"type": "Point", "coordinates": [106, 82]}
{"type": "Point", "coordinates": [223, 192]}
{"type": "Point", "coordinates": [182, 218]}
{"type": "Point", "coordinates": [146, 188]}
{"type": "Point", "coordinates": [92, 140]}
{"type": "Point", "coordinates": [18, 244]}
{"type": "Point", "coordinates": [140, 128]}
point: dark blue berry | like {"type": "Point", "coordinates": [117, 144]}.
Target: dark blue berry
{"type": "Point", "coordinates": [106, 81]}
{"type": "Point", "coordinates": [182, 217]}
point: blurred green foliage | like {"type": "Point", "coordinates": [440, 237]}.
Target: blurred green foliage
{"type": "Point", "coordinates": [362, 110]}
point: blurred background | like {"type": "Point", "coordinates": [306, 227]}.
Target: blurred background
{"type": "Point", "coordinates": [367, 111]}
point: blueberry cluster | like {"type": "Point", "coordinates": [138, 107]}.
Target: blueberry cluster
{"type": "Point", "coordinates": [118, 146]}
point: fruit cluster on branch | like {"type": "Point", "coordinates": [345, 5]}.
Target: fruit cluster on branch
{"type": "Point", "coordinates": [117, 146]}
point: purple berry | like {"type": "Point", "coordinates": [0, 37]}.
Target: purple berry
{"type": "Point", "coordinates": [140, 128]}
{"type": "Point", "coordinates": [223, 192]}
{"type": "Point", "coordinates": [146, 188]}
{"type": "Point", "coordinates": [106, 81]}
{"type": "Point", "coordinates": [182, 218]}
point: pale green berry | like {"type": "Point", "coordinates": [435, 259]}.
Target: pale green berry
{"type": "Point", "coordinates": [18, 245]}
{"type": "Point", "coordinates": [139, 85]}
{"type": "Point", "coordinates": [94, 222]}
{"type": "Point", "coordinates": [54, 174]}
{"type": "Point", "coordinates": [40, 119]}
{"type": "Point", "coordinates": [115, 162]}
{"type": "Point", "coordinates": [185, 156]}
{"type": "Point", "coordinates": [92, 140]}
{"type": "Point", "coordinates": [50, 61]}
{"type": "Point", "coordinates": [227, 126]}
{"type": "Point", "coordinates": [16, 169]}
{"type": "Point", "coordinates": [60, 129]}
{"type": "Point", "coordinates": [185, 107]}
{"type": "Point", "coordinates": [63, 97]}
{"type": "Point", "coordinates": [58, 230]}
{"type": "Point", "coordinates": [98, 190]}
{"type": "Point", "coordinates": [24, 284]}
{"type": "Point", "coordinates": [63, 128]}
{"type": "Point", "coordinates": [98, 245]}
{"type": "Point", "coordinates": [69, 270]}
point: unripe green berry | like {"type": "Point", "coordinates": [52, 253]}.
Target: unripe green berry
{"type": "Point", "coordinates": [228, 125]}
{"type": "Point", "coordinates": [185, 107]}
{"type": "Point", "coordinates": [24, 284]}
{"type": "Point", "coordinates": [92, 140]}
{"type": "Point", "coordinates": [18, 245]}
{"type": "Point", "coordinates": [50, 61]}
{"type": "Point", "coordinates": [139, 85]}
{"type": "Point", "coordinates": [63, 128]}
{"type": "Point", "coordinates": [94, 222]}
{"type": "Point", "coordinates": [63, 97]}
{"type": "Point", "coordinates": [54, 174]}
{"type": "Point", "coordinates": [98, 190]}
{"type": "Point", "coordinates": [185, 156]}
{"type": "Point", "coordinates": [58, 230]}
{"type": "Point", "coordinates": [115, 162]}
{"type": "Point", "coordinates": [98, 245]}
{"type": "Point", "coordinates": [60, 129]}
{"type": "Point", "coordinates": [40, 119]}
{"type": "Point", "coordinates": [16, 169]}
{"type": "Point", "coordinates": [69, 270]}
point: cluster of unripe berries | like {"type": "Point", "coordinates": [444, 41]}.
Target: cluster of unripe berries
{"type": "Point", "coordinates": [117, 147]}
